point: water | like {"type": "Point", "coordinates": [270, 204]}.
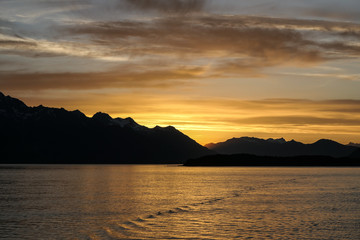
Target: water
{"type": "Point", "coordinates": [172, 202]}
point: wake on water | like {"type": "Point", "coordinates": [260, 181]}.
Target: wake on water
{"type": "Point", "coordinates": [144, 226]}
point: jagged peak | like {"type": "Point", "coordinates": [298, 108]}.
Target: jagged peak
{"type": "Point", "coordinates": [125, 122]}
{"type": "Point", "coordinates": [78, 113]}
{"type": "Point", "coordinates": [40, 106]}
{"type": "Point", "coordinates": [352, 144]}
{"type": "Point", "coordinates": [102, 116]}
{"type": "Point", "coordinates": [130, 119]}
{"type": "Point", "coordinates": [276, 140]}
{"type": "Point", "coordinates": [171, 128]}
{"type": "Point", "coordinates": [9, 101]}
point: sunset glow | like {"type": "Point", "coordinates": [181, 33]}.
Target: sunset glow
{"type": "Point", "coordinates": [212, 70]}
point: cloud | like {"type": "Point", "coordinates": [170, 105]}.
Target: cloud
{"type": "Point", "coordinates": [298, 120]}
{"type": "Point", "coordinates": [342, 47]}
{"type": "Point", "coordinates": [203, 37]}
{"type": "Point", "coordinates": [121, 78]}
{"type": "Point", "coordinates": [240, 44]}
{"type": "Point", "coordinates": [268, 41]}
{"type": "Point", "coordinates": [166, 6]}
{"type": "Point", "coordinates": [117, 9]}
{"type": "Point", "coordinates": [221, 46]}
{"type": "Point", "coordinates": [335, 12]}
{"type": "Point", "coordinates": [16, 44]}
{"type": "Point", "coordinates": [291, 106]}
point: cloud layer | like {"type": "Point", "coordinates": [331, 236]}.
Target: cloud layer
{"type": "Point", "coordinates": [174, 6]}
{"type": "Point", "coordinates": [218, 46]}
{"type": "Point", "coordinates": [190, 63]}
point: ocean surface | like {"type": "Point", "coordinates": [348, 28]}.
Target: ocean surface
{"type": "Point", "coordinates": [174, 202]}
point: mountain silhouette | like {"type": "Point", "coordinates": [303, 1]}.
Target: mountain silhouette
{"type": "Point", "coordinates": [355, 154]}
{"type": "Point", "coordinates": [354, 144]}
{"type": "Point", "coordinates": [281, 147]}
{"type": "Point", "coordinates": [54, 135]}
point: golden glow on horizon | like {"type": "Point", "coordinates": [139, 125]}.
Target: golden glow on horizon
{"type": "Point", "coordinates": [219, 119]}
{"type": "Point", "coordinates": [213, 73]}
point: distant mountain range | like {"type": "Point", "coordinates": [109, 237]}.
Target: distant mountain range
{"type": "Point", "coordinates": [246, 151]}
{"type": "Point", "coordinates": [282, 148]}
{"type": "Point", "coordinates": [355, 154]}
{"type": "Point", "coordinates": [55, 135]}
{"type": "Point", "coordinates": [354, 144]}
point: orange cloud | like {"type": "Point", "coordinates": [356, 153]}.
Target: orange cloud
{"type": "Point", "coordinates": [121, 78]}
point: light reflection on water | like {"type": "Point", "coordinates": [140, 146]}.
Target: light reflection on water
{"type": "Point", "coordinates": [171, 202]}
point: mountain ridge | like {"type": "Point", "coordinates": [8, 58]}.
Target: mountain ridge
{"type": "Point", "coordinates": [54, 135]}
{"type": "Point", "coordinates": [281, 148]}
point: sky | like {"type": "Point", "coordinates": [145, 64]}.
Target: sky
{"type": "Point", "coordinates": [213, 69]}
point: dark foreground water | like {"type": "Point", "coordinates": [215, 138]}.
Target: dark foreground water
{"type": "Point", "coordinates": [171, 202]}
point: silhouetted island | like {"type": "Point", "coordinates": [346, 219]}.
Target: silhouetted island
{"type": "Point", "coordinates": [266, 161]}
{"type": "Point", "coordinates": [55, 135]}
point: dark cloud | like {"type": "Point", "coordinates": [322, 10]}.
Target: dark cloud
{"type": "Point", "coordinates": [167, 6]}
{"type": "Point", "coordinates": [351, 33]}
{"type": "Point", "coordinates": [28, 51]}
{"type": "Point", "coordinates": [5, 23]}
{"type": "Point", "coordinates": [272, 40]}
{"type": "Point", "coordinates": [341, 47]}
{"type": "Point", "coordinates": [16, 43]}
{"type": "Point", "coordinates": [203, 37]}
{"type": "Point", "coordinates": [18, 46]}
{"type": "Point", "coordinates": [125, 77]}
{"type": "Point", "coordinates": [113, 9]}
{"type": "Point", "coordinates": [335, 13]}
{"type": "Point", "coordinates": [292, 23]}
